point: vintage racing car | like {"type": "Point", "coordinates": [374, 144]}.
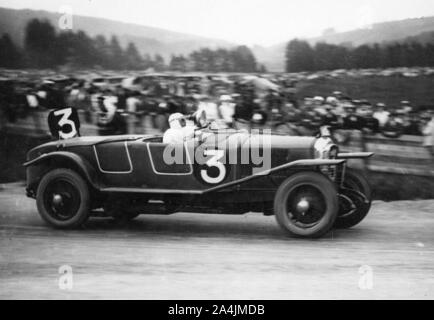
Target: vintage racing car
{"type": "Point", "coordinates": [304, 181]}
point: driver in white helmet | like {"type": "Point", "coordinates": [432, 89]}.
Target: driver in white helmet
{"type": "Point", "coordinates": [178, 132]}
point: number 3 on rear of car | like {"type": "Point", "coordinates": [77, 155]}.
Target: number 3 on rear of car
{"type": "Point", "coordinates": [64, 123]}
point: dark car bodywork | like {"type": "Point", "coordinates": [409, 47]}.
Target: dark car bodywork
{"type": "Point", "coordinates": [132, 167]}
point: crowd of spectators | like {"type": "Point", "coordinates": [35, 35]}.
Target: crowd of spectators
{"type": "Point", "coordinates": [240, 101]}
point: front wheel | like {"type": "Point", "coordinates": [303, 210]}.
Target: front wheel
{"type": "Point", "coordinates": [355, 200]}
{"type": "Point", "coordinates": [306, 205]}
{"type": "Point", "coordinates": [63, 199]}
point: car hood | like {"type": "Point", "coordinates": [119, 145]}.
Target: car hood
{"type": "Point", "coordinates": [254, 140]}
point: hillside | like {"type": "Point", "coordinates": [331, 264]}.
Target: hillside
{"type": "Point", "coordinates": [423, 38]}
{"type": "Point", "coordinates": [381, 32]}
{"type": "Point", "coordinates": [147, 39]}
{"type": "Point", "coordinates": [420, 30]}
{"type": "Point", "coordinates": [155, 40]}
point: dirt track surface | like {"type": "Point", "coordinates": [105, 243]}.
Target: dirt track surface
{"type": "Point", "coordinates": [193, 256]}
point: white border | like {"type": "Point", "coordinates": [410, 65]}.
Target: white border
{"type": "Point", "coordinates": [170, 174]}
{"type": "Point", "coordinates": [115, 172]}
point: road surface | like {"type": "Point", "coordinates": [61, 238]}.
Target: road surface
{"type": "Point", "coordinates": [390, 255]}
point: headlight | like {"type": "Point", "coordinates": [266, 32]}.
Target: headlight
{"type": "Point", "coordinates": [325, 149]}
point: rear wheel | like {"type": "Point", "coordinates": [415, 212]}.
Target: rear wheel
{"type": "Point", "coordinates": [63, 199]}
{"type": "Point", "coordinates": [306, 205]}
{"type": "Point", "coordinates": [355, 200]}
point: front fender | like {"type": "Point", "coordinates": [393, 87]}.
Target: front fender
{"type": "Point", "coordinates": [36, 168]}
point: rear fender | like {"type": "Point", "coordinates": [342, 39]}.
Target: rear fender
{"type": "Point", "coordinates": [38, 167]}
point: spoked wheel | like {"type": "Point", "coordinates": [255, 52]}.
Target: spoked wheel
{"type": "Point", "coordinates": [306, 205]}
{"type": "Point", "coordinates": [63, 199]}
{"type": "Point", "coordinates": [355, 200]}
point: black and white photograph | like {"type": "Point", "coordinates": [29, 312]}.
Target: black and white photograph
{"type": "Point", "coordinates": [216, 150]}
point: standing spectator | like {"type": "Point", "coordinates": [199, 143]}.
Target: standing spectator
{"type": "Point", "coordinates": [55, 96]}
{"type": "Point", "coordinates": [290, 92]}
{"type": "Point", "coordinates": [330, 119]}
{"type": "Point", "coordinates": [406, 106]}
{"type": "Point", "coordinates": [227, 109]}
{"type": "Point", "coordinates": [41, 93]}
{"type": "Point", "coordinates": [352, 121]}
{"type": "Point", "coordinates": [371, 124]}
{"type": "Point", "coordinates": [135, 119]}
{"type": "Point", "coordinates": [272, 101]}
{"type": "Point", "coordinates": [210, 107]}
{"type": "Point", "coordinates": [7, 93]}
{"type": "Point", "coordinates": [84, 103]}
{"type": "Point", "coordinates": [428, 133]}
{"type": "Point", "coordinates": [110, 121]}
{"type": "Point", "coordinates": [340, 107]}
{"type": "Point", "coordinates": [413, 124]}
{"type": "Point", "coordinates": [394, 126]}
{"type": "Point", "coordinates": [121, 96]}
{"type": "Point", "coordinates": [381, 114]}
{"type": "Point", "coordinates": [243, 113]}
{"type": "Point", "coordinates": [33, 104]}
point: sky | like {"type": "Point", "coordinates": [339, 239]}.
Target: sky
{"type": "Point", "coordinates": [263, 22]}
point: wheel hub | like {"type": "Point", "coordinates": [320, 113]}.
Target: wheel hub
{"type": "Point", "coordinates": [303, 206]}
{"type": "Point", "coordinates": [306, 206]}
{"type": "Point", "coordinates": [57, 200]}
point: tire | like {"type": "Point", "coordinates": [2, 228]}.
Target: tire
{"type": "Point", "coordinates": [322, 208]}
{"type": "Point", "coordinates": [356, 181]}
{"type": "Point", "coordinates": [72, 209]}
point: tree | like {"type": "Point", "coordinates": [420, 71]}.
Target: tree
{"type": "Point", "coordinates": [262, 69]}
{"type": "Point", "coordinates": [330, 57]}
{"type": "Point", "coordinates": [102, 50]}
{"type": "Point", "coordinates": [116, 55]}
{"type": "Point", "coordinates": [159, 63]}
{"type": "Point", "coordinates": [240, 59]}
{"type": "Point", "coordinates": [133, 58]}
{"type": "Point", "coordinates": [147, 61]}
{"type": "Point", "coordinates": [222, 60]}
{"type": "Point", "coordinates": [299, 56]}
{"type": "Point", "coordinates": [10, 56]}
{"type": "Point", "coordinates": [40, 43]}
{"type": "Point", "coordinates": [244, 60]}
{"type": "Point", "coordinates": [178, 63]}
{"type": "Point", "coordinates": [363, 57]}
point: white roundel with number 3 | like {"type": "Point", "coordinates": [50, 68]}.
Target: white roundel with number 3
{"type": "Point", "coordinates": [65, 120]}
{"type": "Point", "coordinates": [217, 155]}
